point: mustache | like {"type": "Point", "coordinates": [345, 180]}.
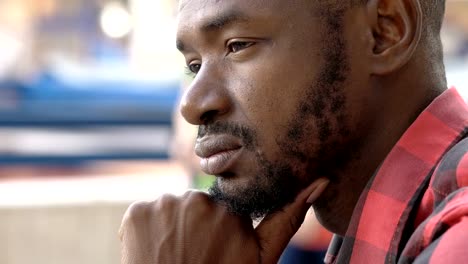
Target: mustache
{"type": "Point", "coordinates": [246, 134]}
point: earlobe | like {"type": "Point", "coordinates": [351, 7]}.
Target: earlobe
{"type": "Point", "coordinates": [396, 28]}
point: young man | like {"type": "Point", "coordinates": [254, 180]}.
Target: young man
{"type": "Point", "coordinates": [340, 105]}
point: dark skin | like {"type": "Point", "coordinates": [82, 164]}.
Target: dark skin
{"type": "Point", "coordinates": [263, 67]}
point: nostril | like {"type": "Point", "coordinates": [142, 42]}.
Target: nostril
{"type": "Point", "coordinates": [208, 116]}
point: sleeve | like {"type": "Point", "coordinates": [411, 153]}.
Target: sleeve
{"type": "Point", "coordinates": [450, 247]}
{"type": "Point", "coordinates": [443, 237]}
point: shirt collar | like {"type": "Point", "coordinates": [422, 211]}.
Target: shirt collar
{"type": "Point", "coordinates": [383, 209]}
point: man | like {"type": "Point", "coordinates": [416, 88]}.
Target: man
{"type": "Point", "coordinates": [337, 104]}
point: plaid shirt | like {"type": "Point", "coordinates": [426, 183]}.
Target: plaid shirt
{"type": "Point", "coordinates": [415, 208]}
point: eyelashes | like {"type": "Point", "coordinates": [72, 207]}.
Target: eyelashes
{"type": "Point", "coordinates": [238, 46]}
{"type": "Point", "coordinates": [233, 47]}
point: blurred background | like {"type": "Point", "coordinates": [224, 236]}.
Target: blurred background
{"type": "Point", "coordinates": [88, 90]}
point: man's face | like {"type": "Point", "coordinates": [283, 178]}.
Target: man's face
{"type": "Point", "coordinates": [272, 95]}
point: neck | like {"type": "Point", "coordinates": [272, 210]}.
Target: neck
{"type": "Point", "coordinates": [399, 100]}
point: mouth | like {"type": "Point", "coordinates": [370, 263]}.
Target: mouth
{"type": "Point", "coordinates": [218, 154]}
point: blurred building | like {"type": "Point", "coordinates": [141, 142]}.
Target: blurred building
{"type": "Point", "coordinates": [108, 66]}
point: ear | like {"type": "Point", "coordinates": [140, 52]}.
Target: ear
{"type": "Point", "coordinates": [396, 27]}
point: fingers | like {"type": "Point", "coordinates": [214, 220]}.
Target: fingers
{"type": "Point", "coordinates": [132, 237]}
{"type": "Point", "coordinates": [148, 225]}
{"type": "Point", "coordinates": [277, 229]}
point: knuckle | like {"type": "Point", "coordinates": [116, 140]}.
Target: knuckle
{"type": "Point", "coordinates": [165, 202]}
{"type": "Point", "coordinates": [198, 202]}
{"type": "Point", "coordinates": [167, 199]}
{"type": "Point", "coordinates": [196, 196]}
{"type": "Point", "coordinates": [136, 210]}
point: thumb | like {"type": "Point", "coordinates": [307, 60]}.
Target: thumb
{"type": "Point", "coordinates": [277, 229]}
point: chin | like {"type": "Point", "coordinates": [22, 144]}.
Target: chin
{"type": "Point", "coordinates": [232, 185]}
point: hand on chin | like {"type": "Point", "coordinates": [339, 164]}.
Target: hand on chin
{"type": "Point", "coordinates": [194, 229]}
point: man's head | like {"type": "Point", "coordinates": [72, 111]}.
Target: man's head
{"type": "Point", "coordinates": [286, 92]}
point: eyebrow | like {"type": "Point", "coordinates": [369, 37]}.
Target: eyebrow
{"type": "Point", "coordinates": [217, 23]}
{"type": "Point", "coordinates": [223, 20]}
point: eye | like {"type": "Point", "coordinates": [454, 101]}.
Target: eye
{"type": "Point", "coordinates": [194, 68]}
{"type": "Point", "coordinates": [236, 46]}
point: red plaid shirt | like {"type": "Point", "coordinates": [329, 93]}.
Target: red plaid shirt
{"type": "Point", "coordinates": [415, 208]}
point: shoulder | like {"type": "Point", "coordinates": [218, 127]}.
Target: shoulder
{"type": "Point", "coordinates": [451, 173]}
{"type": "Point", "coordinates": [442, 237]}
{"type": "Point", "coordinates": [448, 191]}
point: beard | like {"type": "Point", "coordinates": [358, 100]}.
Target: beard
{"type": "Point", "coordinates": [318, 141]}
{"type": "Point", "coordinates": [269, 190]}
{"type": "Point", "coordinates": [273, 185]}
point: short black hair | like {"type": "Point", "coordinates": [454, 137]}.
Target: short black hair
{"type": "Point", "coordinates": [433, 11]}
{"type": "Point", "coordinates": [433, 16]}
{"type": "Point", "coordinates": [430, 45]}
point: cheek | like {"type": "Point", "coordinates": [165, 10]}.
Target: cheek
{"type": "Point", "coordinates": [269, 89]}
{"type": "Point", "coordinates": [266, 102]}
{"type": "Point", "coordinates": [268, 96]}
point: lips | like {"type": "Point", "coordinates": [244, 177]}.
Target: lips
{"type": "Point", "coordinates": [217, 153]}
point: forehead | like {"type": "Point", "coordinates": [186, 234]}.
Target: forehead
{"type": "Point", "coordinates": [276, 6]}
{"type": "Point", "coordinates": [194, 13]}
{"type": "Point", "coordinates": [203, 5]}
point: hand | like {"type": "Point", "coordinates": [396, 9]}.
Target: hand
{"type": "Point", "coordinates": [194, 229]}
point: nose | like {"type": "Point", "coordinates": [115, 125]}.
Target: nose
{"type": "Point", "coordinates": [205, 100]}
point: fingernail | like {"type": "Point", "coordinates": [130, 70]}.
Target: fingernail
{"type": "Point", "coordinates": [318, 190]}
